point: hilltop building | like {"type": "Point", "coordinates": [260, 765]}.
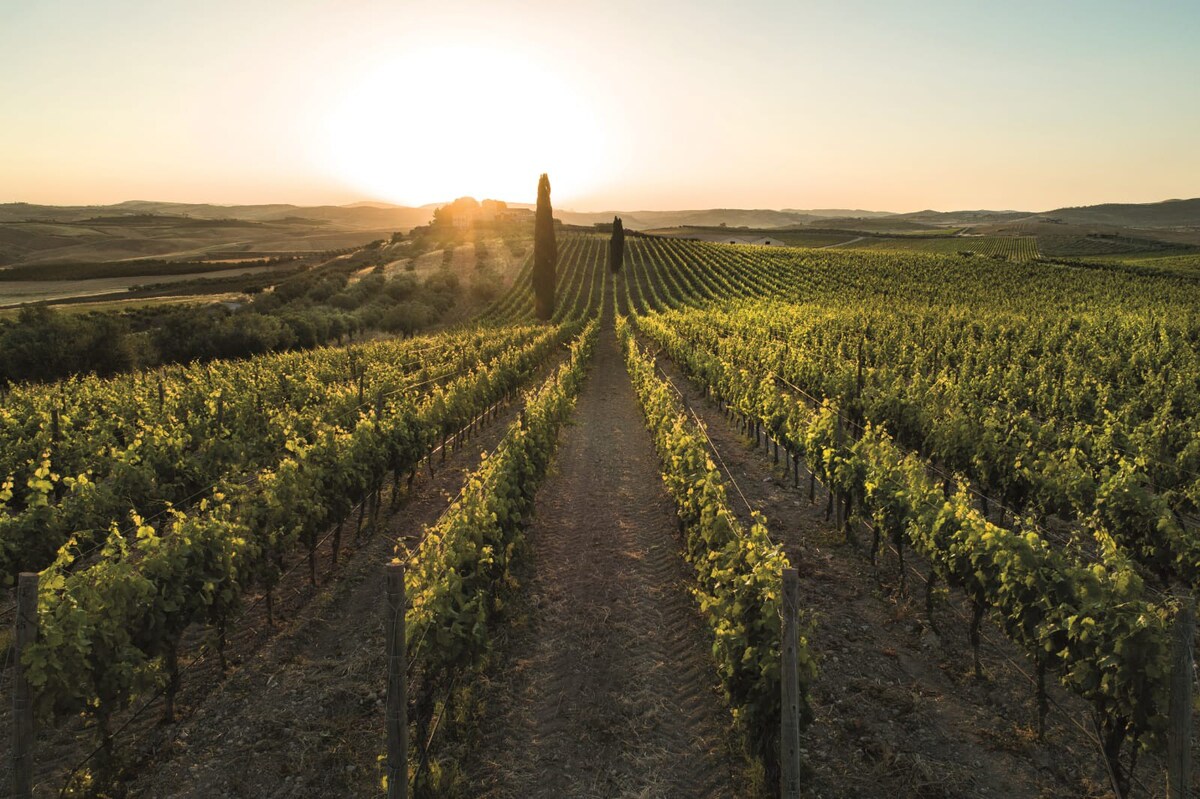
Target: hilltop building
{"type": "Point", "coordinates": [467, 212]}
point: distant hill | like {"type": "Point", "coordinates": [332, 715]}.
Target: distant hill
{"type": "Point", "coordinates": [1171, 213]}
{"type": "Point", "coordinates": [840, 213]}
{"type": "Point", "coordinates": [712, 217]}
{"type": "Point", "coordinates": [761, 219]}
{"type": "Point", "coordinates": [962, 218]}
{"type": "Point", "coordinates": [363, 216]}
{"type": "Point", "coordinates": [185, 231]}
{"type": "Point", "coordinates": [876, 224]}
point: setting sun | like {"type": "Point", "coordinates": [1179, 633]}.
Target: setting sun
{"type": "Point", "coordinates": [457, 120]}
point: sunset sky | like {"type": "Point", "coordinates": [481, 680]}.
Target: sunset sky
{"type": "Point", "coordinates": [628, 105]}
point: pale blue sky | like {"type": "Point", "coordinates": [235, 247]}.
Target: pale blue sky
{"type": "Point", "coordinates": [895, 106]}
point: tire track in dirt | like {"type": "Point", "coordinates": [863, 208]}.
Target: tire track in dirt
{"type": "Point", "coordinates": [610, 690]}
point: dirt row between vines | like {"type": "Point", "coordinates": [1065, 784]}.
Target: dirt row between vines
{"type": "Point", "coordinates": [303, 715]}
{"type": "Point", "coordinates": [898, 710]}
{"type": "Point", "coordinates": [605, 686]}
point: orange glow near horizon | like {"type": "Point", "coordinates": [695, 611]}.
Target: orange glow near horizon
{"type": "Point", "coordinates": [628, 106]}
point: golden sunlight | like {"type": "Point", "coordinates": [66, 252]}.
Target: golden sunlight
{"type": "Point", "coordinates": [463, 120]}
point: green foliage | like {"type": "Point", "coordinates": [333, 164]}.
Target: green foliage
{"type": "Point", "coordinates": [545, 253]}
{"type": "Point", "coordinates": [616, 246]}
{"type": "Point", "coordinates": [281, 448]}
{"type": "Point", "coordinates": [739, 571]}
{"type": "Point", "coordinates": [461, 570]}
{"type": "Point", "coordinates": [307, 310]}
{"type": "Point", "coordinates": [288, 467]}
{"type": "Point", "coordinates": [85, 453]}
{"type": "Point", "coordinates": [579, 290]}
{"type": "Point", "coordinates": [1013, 248]}
{"type": "Point", "coordinates": [43, 345]}
{"type": "Point", "coordinates": [1093, 625]}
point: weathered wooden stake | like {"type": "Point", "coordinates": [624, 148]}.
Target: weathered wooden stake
{"type": "Point", "coordinates": [26, 634]}
{"type": "Point", "coordinates": [789, 738]}
{"type": "Point", "coordinates": [839, 519]}
{"type": "Point", "coordinates": [397, 689]}
{"type": "Point", "coordinates": [1179, 715]}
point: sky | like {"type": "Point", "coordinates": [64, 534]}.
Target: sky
{"type": "Point", "coordinates": [627, 105]}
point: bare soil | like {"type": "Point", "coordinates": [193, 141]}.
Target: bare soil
{"type": "Point", "coordinates": [608, 688]}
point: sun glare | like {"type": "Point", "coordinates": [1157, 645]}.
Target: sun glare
{"type": "Point", "coordinates": [452, 121]}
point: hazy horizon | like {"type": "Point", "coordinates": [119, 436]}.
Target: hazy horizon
{"type": "Point", "coordinates": [771, 105]}
{"type": "Point", "coordinates": [574, 210]}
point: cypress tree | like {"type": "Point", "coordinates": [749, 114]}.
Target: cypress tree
{"type": "Point", "coordinates": [545, 252]}
{"type": "Point", "coordinates": [616, 246]}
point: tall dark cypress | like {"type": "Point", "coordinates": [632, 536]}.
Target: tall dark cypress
{"type": "Point", "coordinates": [616, 246]}
{"type": "Point", "coordinates": [545, 252]}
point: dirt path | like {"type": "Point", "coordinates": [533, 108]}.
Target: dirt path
{"type": "Point", "coordinates": [303, 717]}
{"type": "Point", "coordinates": [898, 710]}
{"type": "Point", "coordinates": [609, 689]}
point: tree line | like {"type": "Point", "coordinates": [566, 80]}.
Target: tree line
{"type": "Point", "coordinates": [308, 310]}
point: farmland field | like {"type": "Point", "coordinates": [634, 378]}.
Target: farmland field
{"type": "Point", "coordinates": [15, 291]}
{"type": "Point", "coordinates": [1181, 264]}
{"type": "Point", "coordinates": [599, 401]}
{"type": "Point", "coordinates": [1018, 436]}
{"type": "Point", "coordinates": [1015, 248]}
{"type": "Point", "coordinates": [1109, 245]}
{"type": "Point", "coordinates": [792, 238]}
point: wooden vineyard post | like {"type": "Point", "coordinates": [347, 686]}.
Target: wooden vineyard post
{"type": "Point", "coordinates": [397, 685]}
{"type": "Point", "coordinates": [1179, 714]}
{"type": "Point", "coordinates": [789, 738]}
{"type": "Point", "coordinates": [26, 634]}
{"type": "Point", "coordinates": [839, 521]}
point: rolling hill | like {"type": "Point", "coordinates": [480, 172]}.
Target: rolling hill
{"type": "Point", "coordinates": [1170, 213]}
{"type": "Point", "coordinates": [359, 215]}
{"type": "Point", "coordinates": [149, 229]}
